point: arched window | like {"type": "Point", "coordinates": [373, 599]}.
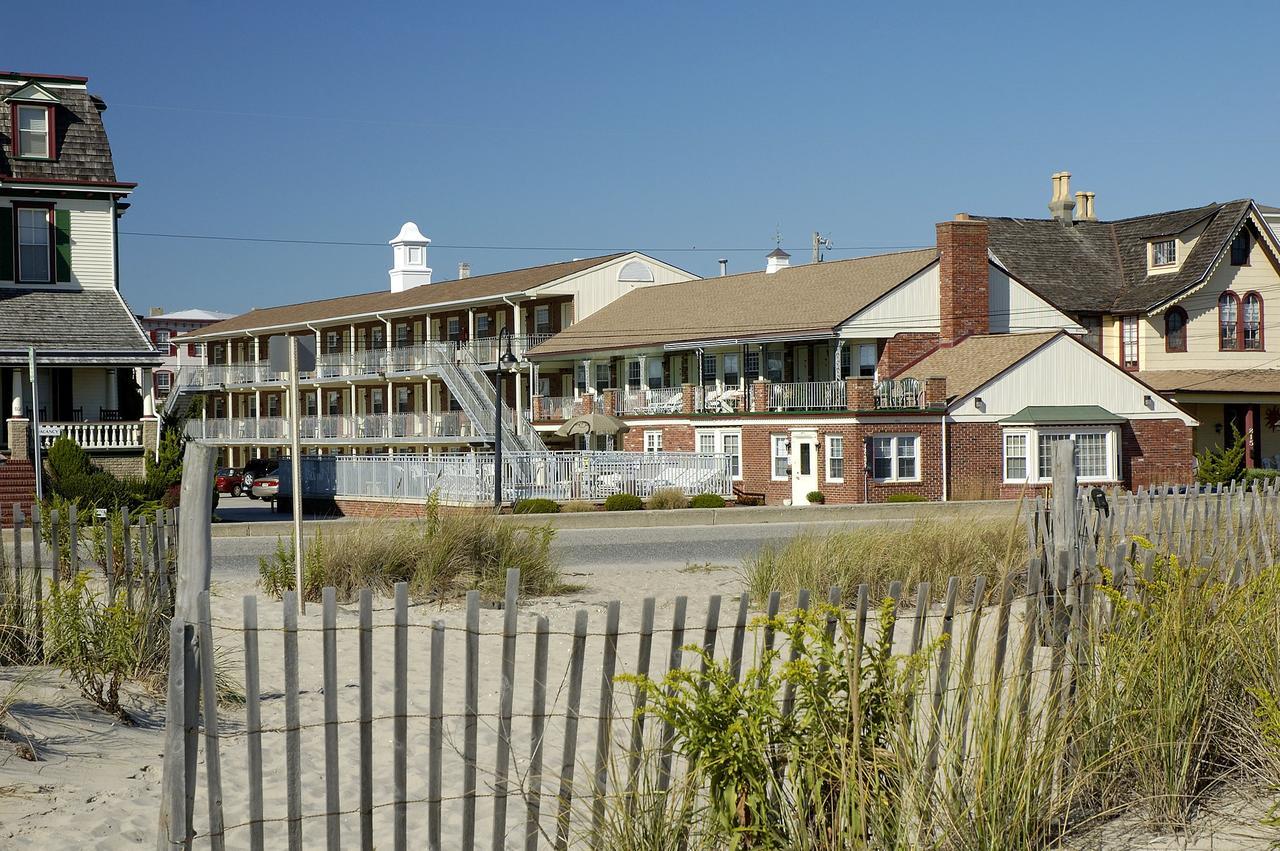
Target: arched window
{"type": "Point", "coordinates": [1229, 322]}
{"type": "Point", "coordinates": [1175, 330]}
{"type": "Point", "coordinates": [1251, 322]}
{"type": "Point", "coordinates": [637, 272]}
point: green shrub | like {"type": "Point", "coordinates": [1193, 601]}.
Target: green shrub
{"type": "Point", "coordinates": [66, 459]}
{"type": "Point", "coordinates": [1218, 465]}
{"type": "Point", "coordinates": [623, 502]}
{"type": "Point", "coordinates": [536, 505]}
{"type": "Point", "coordinates": [816, 497]}
{"type": "Point", "coordinates": [668, 498]}
{"type": "Point", "coordinates": [905, 497]}
{"type": "Point", "coordinates": [576, 506]}
{"type": "Point", "coordinates": [707, 500]}
{"type": "Point", "coordinates": [97, 643]}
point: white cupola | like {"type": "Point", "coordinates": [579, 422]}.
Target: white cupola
{"type": "Point", "coordinates": [409, 259]}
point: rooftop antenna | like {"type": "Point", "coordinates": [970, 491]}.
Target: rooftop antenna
{"type": "Point", "coordinates": [820, 243]}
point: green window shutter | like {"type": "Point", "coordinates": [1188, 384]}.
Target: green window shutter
{"type": "Point", "coordinates": [6, 243]}
{"type": "Point", "coordinates": [62, 242]}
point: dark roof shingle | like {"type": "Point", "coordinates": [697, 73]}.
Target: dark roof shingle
{"type": "Point", "coordinates": [83, 152]}
{"type": "Point", "coordinates": [70, 322]}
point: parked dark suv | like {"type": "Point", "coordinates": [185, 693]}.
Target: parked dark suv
{"type": "Point", "coordinates": [255, 468]}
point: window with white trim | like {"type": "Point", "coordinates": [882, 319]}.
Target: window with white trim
{"type": "Point", "coordinates": [708, 369]}
{"type": "Point", "coordinates": [656, 372]}
{"type": "Point", "coordinates": [33, 245]}
{"type": "Point", "coordinates": [1129, 342]}
{"type": "Point", "coordinates": [732, 374]}
{"type": "Point", "coordinates": [273, 405]}
{"type": "Point", "coordinates": [653, 441]}
{"type": "Point", "coordinates": [1164, 253]}
{"type": "Point", "coordinates": [332, 341]}
{"type": "Point", "coordinates": [724, 440]}
{"type": "Point", "coordinates": [781, 457]}
{"type": "Point", "coordinates": [33, 132]}
{"type": "Point", "coordinates": [773, 362]}
{"type": "Point", "coordinates": [633, 374]}
{"type": "Point", "coordinates": [895, 457]}
{"type": "Point", "coordinates": [603, 377]}
{"type": "Point", "coordinates": [835, 458]}
{"type": "Point", "coordinates": [1028, 453]}
{"type": "Point", "coordinates": [752, 365]}
{"type": "Point", "coordinates": [542, 319]}
{"type": "Point", "coordinates": [163, 381]}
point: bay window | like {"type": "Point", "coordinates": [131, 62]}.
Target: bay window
{"type": "Point", "coordinates": [1095, 456]}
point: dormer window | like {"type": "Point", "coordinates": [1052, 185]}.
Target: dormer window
{"type": "Point", "coordinates": [1164, 253]}
{"type": "Point", "coordinates": [1240, 249]}
{"type": "Point", "coordinates": [34, 131]}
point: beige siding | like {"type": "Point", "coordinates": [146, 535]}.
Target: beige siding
{"type": "Point", "coordinates": [1013, 308]}
{"type": "Point", "coordinates": [597, 287]}
{"type": "Point", "coordinates": [1064, 372]}
{"type": "Point", "coordinates": [92, 243]}
{"type": "Point", "coordinates": [1202, 328]}
{"type": "Point", "coordinates": [911, 306]}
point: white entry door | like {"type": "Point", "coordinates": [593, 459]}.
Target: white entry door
{"type": "Point", "coordinates": [804, 466]}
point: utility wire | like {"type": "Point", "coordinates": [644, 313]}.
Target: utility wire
{"type": "Point", "coordinates": [603, 250]}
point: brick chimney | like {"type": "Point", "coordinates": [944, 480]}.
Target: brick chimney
{"type": "Point", "coordinates": [962, 278]}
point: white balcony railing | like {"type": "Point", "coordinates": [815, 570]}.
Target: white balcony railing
{"type": "Point", "coordinates": [902, 393]}
{"type": "Point", "coordinates": [807, 396]}
{"type": "Point", "coordinates": [486, 350]}
{"type": "Point", "coordinates": [652, 400]}
{"type": "Point", "coordinates": [94, 436]}
{"type": "Point", "coordinates": [408, 428]}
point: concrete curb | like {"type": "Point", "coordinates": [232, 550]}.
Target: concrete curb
{"type": "Point", "coordinates": [986, 509]}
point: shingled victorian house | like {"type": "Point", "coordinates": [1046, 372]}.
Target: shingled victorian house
{"type": "Point", "coordinates": [59, 280]}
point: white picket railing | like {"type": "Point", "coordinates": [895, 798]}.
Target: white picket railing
{"type": "Point", "coordinates": [408, 428]}
{"type": "Point", "coordinates": [94, 436]}
{"type": "Point", "coordinates": [807, 396]}
{"type": "Point", "coordinates": [652, 400]}
{"type": "Point", "coordinates": [902, 393]}
{"type": "Point", "coordinates": [467, 478]}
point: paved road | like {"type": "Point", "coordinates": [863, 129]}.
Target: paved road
{"type": "Point", "coordinates": [579, 548]}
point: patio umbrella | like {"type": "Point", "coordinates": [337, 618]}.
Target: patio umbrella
{"type": "Point", "coordinates": [592, 423]}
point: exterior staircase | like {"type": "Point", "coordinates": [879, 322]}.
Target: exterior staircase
{"type": "Point", "coordinates": [17, 486]}
{"type": "Point", "coordinates": [473, 389]}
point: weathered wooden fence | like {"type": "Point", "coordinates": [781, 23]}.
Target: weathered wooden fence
{"type": "Point", "coordinates": [136, 562]}
{"type": "Point", "coordinates": [490, 727]}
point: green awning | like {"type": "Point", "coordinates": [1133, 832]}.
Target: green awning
{"type": "Point", "coordinates": [1062, 415]}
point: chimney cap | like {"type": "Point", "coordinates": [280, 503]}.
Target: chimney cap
{"type": "Point", "coordinates": [962, 217]}
{"type": "Point", "coordinates": [409, 233]}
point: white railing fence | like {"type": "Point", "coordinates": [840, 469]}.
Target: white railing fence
{"type": "Point", "coordinates": [91, 436]}
{"type": "Point", "coordinates": [807, 395]}
{"type": "Point", "coordinates": [467, 478]}
{"type": "Point", "coordinates": [902, 393]}
{"type": "Point", "coordinates": [652, 400]}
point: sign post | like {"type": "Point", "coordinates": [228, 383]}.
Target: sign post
{"type": "Point", "coordinates": [297, 357]}
{"type": "Point", "coordinates": [35, 425]}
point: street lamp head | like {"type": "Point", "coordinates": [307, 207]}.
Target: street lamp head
{"type": "Point", "coordinates": [508, 361]}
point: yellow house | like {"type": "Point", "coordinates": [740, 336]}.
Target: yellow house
{"type": "Point", "coordinates": [1187, 300]}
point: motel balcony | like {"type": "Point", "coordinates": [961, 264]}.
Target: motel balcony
{"type": "Point", "coordinates": [410, 428]}
{"type": "Point", "coordinates": [760, 396]}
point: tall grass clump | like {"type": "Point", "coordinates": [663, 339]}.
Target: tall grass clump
{"type": "Point", "coordinates": [831, 774]}
{"type": "Point", "coordinates": [926, 550]}
{"type": "Point", "coordinates": [443, 556]}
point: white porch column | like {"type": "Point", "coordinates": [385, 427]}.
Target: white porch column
{"type": "Point", "coordinates": [426, 407]}
{"type": "Point", "coordinates": [519, 397]}
{"type": "Point", "coordinates": [471, 324]}
{"type": "Point", "coordinates": [148, 393]}
{"type": "Point", "coordinates": [257, 413]}
{"type": "Point", "coordinates": [351, 347]}
{"type": "Point", "coordinates": [517, 321]}
{"type": "Point", "coordinates": [16, 408]}
{"type": "Point", "coordinates": [644, 375]}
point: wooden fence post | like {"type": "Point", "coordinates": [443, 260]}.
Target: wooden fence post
{"type": "Point", "coordinates": [194, 568]}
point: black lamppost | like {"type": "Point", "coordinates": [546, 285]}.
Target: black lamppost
{"type": "Point", "coordinates": [506, 363]}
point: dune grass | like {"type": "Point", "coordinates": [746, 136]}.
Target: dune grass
{"type": "Point", "coordinates": [925, 550]}
{"type": "Point", "coordinates": [442, 557]}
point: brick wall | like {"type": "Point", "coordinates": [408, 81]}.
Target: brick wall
{"type": "Point", "coordinates": [962, 278]}
{"type": "Point", "coordinates": [1156, 452]}
{"type": "Point", "coordinates": [904, 348]}
{"type": "Point", "coordinates": [675, 438]}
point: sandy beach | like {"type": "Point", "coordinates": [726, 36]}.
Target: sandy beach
{"type": "Point", "coordinates": [98, 783]}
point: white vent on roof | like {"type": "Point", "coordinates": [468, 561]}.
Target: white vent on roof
{"type": "Point", "coordinates": [636, 272]}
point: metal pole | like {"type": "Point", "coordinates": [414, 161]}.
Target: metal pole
{"type": "Point", "coordinates": [497, 444]}
{"type": "Point", "coordinates": [295, 469]}
{"type": "Point", "coordinates": [35, 424]}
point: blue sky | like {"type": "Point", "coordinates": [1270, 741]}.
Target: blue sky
{"type": "Point", "coordinates": [586, 127]}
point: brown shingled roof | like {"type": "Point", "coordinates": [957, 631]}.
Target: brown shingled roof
{"type": "Point", "coordinates": [1213, 380]}
{"type": "Point", "coordinates": [366, 304]}
{"type": "Point", "coordinates": [975, 360]}
{"type": "Point", "coordinates": [810, 299]}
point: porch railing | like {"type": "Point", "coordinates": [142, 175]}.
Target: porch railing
{"type": "Point", "coordinates": [807, 395]}
{"type": "Point", "coordinates": [408, 427]}
{"type": "Point", "coordinates": [900, 393]}
{"type": "Point", "coordinates": [94, 436]}
{"type": "Point", "coordinates": [652, 400]}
